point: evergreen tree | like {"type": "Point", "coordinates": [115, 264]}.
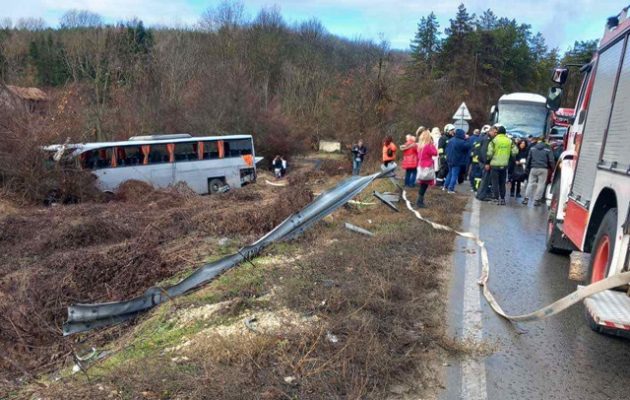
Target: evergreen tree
{"type": "Point", "coordinates": [139, 39]}
{"type": "Point", "coordinates": [47, 56]}
{"type": "Point", "coordinates": [581, 53]}
{"type": "Point", "coordinates": [462, 24]}
{"type": "Point", "coordinates": [544, 62]}
{"type": "Point", "coordinates": [487, 21]}
{"type": "Point", "coordinates": [425, 45]}
{"type": "Point", "coordinates": [457, 57]}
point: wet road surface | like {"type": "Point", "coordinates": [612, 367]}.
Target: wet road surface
{"type": "Point", "coordinates": [558, 358]}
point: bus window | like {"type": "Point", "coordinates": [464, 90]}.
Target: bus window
{"type": "Point", "coordinates": [238, 147]}
{"type": "Point", "coordinates": [186, 151]}
{"type": "Point", "coordinates": [158, 154]}
{"type": "Point", "coordinates": [210, 150]}
{"type": "Point", "coordinates": [129, 155]}
{"type": "Point", "coordinates": [96, 159]}
{"type": "Point", "coordinates": [89, 159]}
{"type": "Point", "coordinates": [105, 156]}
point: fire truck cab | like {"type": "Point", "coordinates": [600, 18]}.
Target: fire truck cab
{"type": "Point", "coordinates": [589, 200]}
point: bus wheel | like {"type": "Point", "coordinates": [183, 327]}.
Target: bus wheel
{"type": "Point", "coordinates": [214, 185]}
{"type": "Point", "coordinates": [556, 243]}
{"type": "Point", "coordinates": [601, 256]}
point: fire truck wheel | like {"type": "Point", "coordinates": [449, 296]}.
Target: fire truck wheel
{"type": "Point", "coordinates": [601, 254]}
{"type": "Point", "coordinates": [603, 247]}
{"type": "Point", "coordinates": [555, 242]}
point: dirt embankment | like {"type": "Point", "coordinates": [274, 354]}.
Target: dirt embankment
{"type": "Point", "coordinates": [333, 314]}
{"type": "Point", "coordinates": [93, 252]}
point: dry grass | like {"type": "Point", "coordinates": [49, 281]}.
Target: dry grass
{"type": "Point", "coordinates": [92, 252]}
{"type": "Point", "coordinates": [383, 299]}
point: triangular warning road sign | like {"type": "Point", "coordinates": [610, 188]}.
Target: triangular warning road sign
{"type": "Point", "coordinates": [462, 112]}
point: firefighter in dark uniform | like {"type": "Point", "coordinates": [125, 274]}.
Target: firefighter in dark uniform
{"type": "Point", "coordinates": [476, 170]}
{"type": "Point", "coordinates": [483, 189]}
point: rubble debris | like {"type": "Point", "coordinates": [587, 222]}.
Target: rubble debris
{"type": "Point", "coordinates": [249, 323]}
{"type": "Point", "coordinates": [357, 229]}
{"type": "Point", "coordinates": [279, 184]}
{"type": "Point", "coordinates": [332, 338]}
{"type": "Point", "coordinates": [387, 199]}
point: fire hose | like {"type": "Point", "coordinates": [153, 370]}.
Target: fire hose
{"type": "Point", "coordinates": [545, 312]}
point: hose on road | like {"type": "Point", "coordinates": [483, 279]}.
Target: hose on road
{"type": "Point", "coordinates": [545, 312]}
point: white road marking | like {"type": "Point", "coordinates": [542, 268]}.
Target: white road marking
{"type": "Point", "coordinates": [473, 370]}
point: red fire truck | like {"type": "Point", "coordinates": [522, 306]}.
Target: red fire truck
{"type": "Point", "coordinates": [589, 201]}
{"type": "Point", "coordinates": [558, 133]}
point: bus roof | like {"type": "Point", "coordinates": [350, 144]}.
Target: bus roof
{"type": "Point", "coordinates": [525, 97]}
{"type": "Point", "coordinates": [81, 147]}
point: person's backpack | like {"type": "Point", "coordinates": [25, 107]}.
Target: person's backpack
{"type": "Point", "coordinates": [390, 152]}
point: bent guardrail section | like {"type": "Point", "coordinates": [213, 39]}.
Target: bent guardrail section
{"type": "Point", "coordinates": [84, 317]}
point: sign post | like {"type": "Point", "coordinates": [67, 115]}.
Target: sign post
{"type": "Point", "coordinates": [461, 116]}
{"type": "Point", "coordinates": [462, 113]}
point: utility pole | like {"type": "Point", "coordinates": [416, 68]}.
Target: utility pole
{"type": "Point", "coordinates": [475, 71]}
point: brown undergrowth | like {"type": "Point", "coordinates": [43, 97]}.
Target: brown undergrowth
{"type": "Point", "coordinates": [340, 315]}
{"type": "Point", "coordinates": [93, 252]}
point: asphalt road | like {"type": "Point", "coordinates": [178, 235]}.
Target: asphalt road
{"type": "Point", "coordinates": [558, 358]}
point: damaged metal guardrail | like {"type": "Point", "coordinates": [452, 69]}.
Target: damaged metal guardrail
{"type": "Point", "coordinates": [84, 317]}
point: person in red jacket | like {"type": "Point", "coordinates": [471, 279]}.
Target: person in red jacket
{"type": "Point", "coordinates": [410, 160]}
{"type": "Point", "coordinates": [426, 167]}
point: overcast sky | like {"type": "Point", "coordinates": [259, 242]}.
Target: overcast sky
{"type": "Point", "coordinates": [561, 21]}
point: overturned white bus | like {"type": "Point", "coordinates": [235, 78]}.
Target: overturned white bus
{"type": "Point", "coordinates": [206, 164]}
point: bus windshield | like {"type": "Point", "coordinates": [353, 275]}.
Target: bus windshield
{"type": "Point", "coordinates": [523, 119]}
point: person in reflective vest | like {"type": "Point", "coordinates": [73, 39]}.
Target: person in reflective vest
{"type": "Point", "coordinates": [500, 150]}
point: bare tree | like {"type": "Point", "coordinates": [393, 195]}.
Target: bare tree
{"type": "Point", "coordinates": [87, 56]}
{"type": "Point", "coordinates": [266, 48]}
{"type": "Point", "coordinates": [228, 15]}
{"type": "Point", "coordinates": [31, 24]}
{"type": "Point", "coordinates": [6, 23]}
{"type": "Point", "coordinates": [74, 19]}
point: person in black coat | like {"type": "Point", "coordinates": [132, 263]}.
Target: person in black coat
{"type": "Point", "coordinates": [483, 191]}
{"type": "Point", "coordinates": [516, 170]}
{"type": "Point", "coordinates": [457, 150]}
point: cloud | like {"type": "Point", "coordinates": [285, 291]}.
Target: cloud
{"type": "Point", "coordinates": [561, 21]}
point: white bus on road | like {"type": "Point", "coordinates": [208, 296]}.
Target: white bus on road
{"type": "Point", "coordinates": [206, 164]}
{"type": "Point", "coordinates": [522, 114]}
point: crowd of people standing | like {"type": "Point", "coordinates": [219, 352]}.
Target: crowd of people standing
{"type": "Point", "coordinates": [488, 158]}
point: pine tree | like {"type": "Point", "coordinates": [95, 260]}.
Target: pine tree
{"type": "Point", "coordinates": [47, 56]}
{"type": "Point", "coordinates": [581, 53]}
{"type": "Point", "coordinates": [458, 55]}
{"type": "Point", "coordinates": [487, 21]}
{"type": "Point", "coordinates": [462, 24]}
{"type": "Point", "coordinates": [425, 45]}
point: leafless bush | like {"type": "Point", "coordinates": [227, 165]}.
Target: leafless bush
{"type": "Point", "coordinates": [28, 173]}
